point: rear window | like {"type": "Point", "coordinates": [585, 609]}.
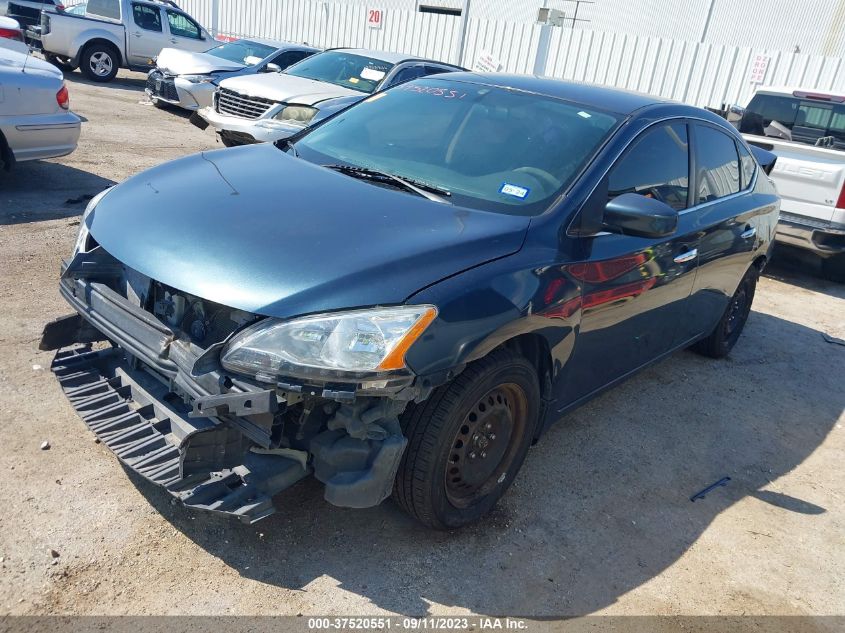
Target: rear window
{"type": "Point", "coordinates": [343, 69]}
{"type": "Point", "coordinates": [808, 121]}
{"type": "Point", "coordinates": [104, 8]}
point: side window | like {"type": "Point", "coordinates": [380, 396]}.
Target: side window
{"type": "Point", "coordinates": [656, 166]}
{"type": "Point", "coordinates": [182, 26]}
{"type": "Point", "coordinates": [289, 58]}
{"type": "Point", "coordinates": [104, 8]}
{"type": "Point", "coordinates": [716, 165]}
{"type": "Point", "coordinates": [147, 17]}
{"type": "Point", "coordinates": [434, 70]}
{"type": "Point", "coordinates": [407, 74]}
{"type": "Point", "coordinates": [748, 165]}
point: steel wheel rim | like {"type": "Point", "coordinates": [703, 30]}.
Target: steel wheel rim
{"type": "Point", "coordinates": [485, 445]}
{"type": "Point", "coordinates": [100, 64]}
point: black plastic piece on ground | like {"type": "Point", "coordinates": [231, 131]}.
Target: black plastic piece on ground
{"type": "Point", "coordinates": [703, 493]}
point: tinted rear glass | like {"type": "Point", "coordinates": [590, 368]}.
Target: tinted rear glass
{"type": "Point", "coordinates": [104, 8]}
{"type": "Point", "coordinates": [790, 118]}
{"type": "Point", "coordinates": [717, 164]}
{"type": "Point", "coordinates": [343, 69]}
{"type": "Point", "coordinates": [491, 148]}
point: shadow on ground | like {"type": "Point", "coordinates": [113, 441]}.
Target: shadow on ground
{"type": "Point", "coordinates": [801, 268]}
{"type": "Point", "coordinates": [46, 190]}
{"type": "Point", "coordinates": [601, 506]}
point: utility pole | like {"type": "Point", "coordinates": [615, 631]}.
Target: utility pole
{"type": "Point", "coordinates": [707, 20]}
{"type": "Point", "coordinates": [464, 28]}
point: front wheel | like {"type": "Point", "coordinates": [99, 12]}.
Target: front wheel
{"type": "Point", "coordinates": [99, 62]}
{"type": "Point", "coordinates": [730, 326]}
{"type": "Point", "coordinates": [467, 441]}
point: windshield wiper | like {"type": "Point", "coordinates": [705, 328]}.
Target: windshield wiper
{"type": "Point", "coordinates": [423, 189]}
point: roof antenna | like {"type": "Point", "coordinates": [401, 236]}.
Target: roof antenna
{"type": "Point", "coordinates": [28, 53]}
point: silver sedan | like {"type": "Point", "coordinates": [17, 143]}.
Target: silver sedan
{"type": "Point", "coordinates": [35, 117]}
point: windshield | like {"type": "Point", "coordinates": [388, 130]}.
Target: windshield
{"type": "Point", "coordinates": [343, 69]}
{"type": "Point", "coordinates": [240, 50]}
{"type": "Point", "coordinates": [809, 121]}
{"type": "Point", "coordinates": [491, 148]}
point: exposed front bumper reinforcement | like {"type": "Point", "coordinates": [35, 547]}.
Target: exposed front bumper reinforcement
{"type": "Point", "coordinates": [204, 464]}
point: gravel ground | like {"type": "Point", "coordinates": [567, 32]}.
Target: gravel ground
{"type": "Point", "coordinates": [599, 520]}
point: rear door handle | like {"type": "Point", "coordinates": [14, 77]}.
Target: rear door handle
{"type": "Point", "coordinates": [686, 257]}
{"type": "Point", "coordinates": [748, 233]}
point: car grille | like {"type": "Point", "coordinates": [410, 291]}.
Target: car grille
{"type": "Point", "coordinates": [234, 104]}
{"type": "Point", "coordinates": [804, 220]}
{"type": "Point", "coordinates": [162, 86]}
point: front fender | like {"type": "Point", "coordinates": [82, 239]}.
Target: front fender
{"type": "Point", "coordinates": [482, 308]}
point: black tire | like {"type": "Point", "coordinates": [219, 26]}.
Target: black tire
{"type": "Point", "coordinates": [99, 62]}
{"type": "Point", "coordinates": [161, 105]}
{"type": "Point", "coordinates": [62, 63]}
{"type": "Point", "coordinates": [730, 326]}
{"type": "Point", "coordinates": [453, 432]}
{"type": "Point", "coordinates": [833, 268]}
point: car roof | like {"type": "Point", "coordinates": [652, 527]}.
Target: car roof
{"type": "Point", "coordinates": [282, 44]}
{"type": "Point", "coordinates": [600, 97]}
{"type": "Point", "coordinates": [789, 90]}
{"type": "Point", "coordinates": [385, 56]}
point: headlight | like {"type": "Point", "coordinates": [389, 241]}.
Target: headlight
{"type": "Point", "coordinates": [197, 79]}
{"type": "Point", "coordinates": [357, 341]}
{"type": "Point", "coordinates": [296, 115]}
{"type": "Point", "coordinates": [84, 228]}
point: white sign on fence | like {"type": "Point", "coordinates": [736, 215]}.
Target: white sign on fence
{"type": "Point", "coordinates": [758, 68]}
{"type": "Point", "coordinates": [375, 18]}
{"type": "Point", "coordinates": [486, 63]}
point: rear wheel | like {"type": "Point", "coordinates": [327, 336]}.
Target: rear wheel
{"type": "Point", "coordinates": [833, 268]}
{"type": "Point", "coordinates": [467, 441]}
{"type": "Point", "coordinates": [99, 62]}
{"type": "Point", "coordinates": [730, 326]}
{"type": "Point", "coordinates": [62, 63]}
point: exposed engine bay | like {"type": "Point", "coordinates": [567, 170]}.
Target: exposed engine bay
{"type": "Point", "coordinates": [140, 363]}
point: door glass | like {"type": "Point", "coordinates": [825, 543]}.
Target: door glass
{"type": "Point", "coordinates": [657, 166]}
{"type": "Point", "coordinates": [182, 26]}
{"type": "Point", "coordinates": [289, 58]}
{"type": "Point", "coordinates": [146, 17]}
{"type": "Point", "coordinates": [406, 74]}
{"type": "Point", "coordinates": [748, 165]}
{"type": "Point", "coordinates": [434, 70]}
{"type": "Point", "coordinates": [717, 164]}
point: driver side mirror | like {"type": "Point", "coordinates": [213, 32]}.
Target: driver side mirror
{"type": "Point", "coordinates": [640, 216]}
{"type": "Point", "coordinates": [272, 68]}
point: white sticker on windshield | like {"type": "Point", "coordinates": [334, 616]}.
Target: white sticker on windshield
{"type": "Point", "coordinates": [514, 190]}
{"type": "Point", "coordinates": [372, 74]}
{"type": "Point", "coordinates": [585, 115]}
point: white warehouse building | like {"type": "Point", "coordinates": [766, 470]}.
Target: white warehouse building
{"type": "Point", "coordinates": [813, 27]}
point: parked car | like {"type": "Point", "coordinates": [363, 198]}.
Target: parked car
{"type": "Point", "coordinates": [33, 36]}
{"type": "Point", "coordinates": [806, 130]}
{"type": "Point", "coordinates": [271, 107]}
{"type": "Point", "coordinates": [188, 80]}
{"type": "Point", "coordinates": [404, 297]}
{"type": "Point", "coordinates": [35, 117]}
{"type": "Point", "coordinates": [114, 34]}
{"type": "Point", "coordinates": [28, 12]}
{"type": "Point", "coordinates": [11, 35]}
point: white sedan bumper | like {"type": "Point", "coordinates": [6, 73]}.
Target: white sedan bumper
{"type": "Point", "coordinates": [179, 92]}
{"type": "Point", "coordinates": [261, 130]}
{"type": "Point", "coordinates": [37, 136]}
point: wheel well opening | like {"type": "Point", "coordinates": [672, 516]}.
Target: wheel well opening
{"type": "Point", "coordinates": [760, 263]}
{"type": "Point", "coordinates": [536, 349]}
{"type": "Point", "coordinates": [104, 42]}
{"type": "Point", "coordinates": [6, 156]}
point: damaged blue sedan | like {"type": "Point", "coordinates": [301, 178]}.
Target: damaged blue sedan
{"type": "Point", "coordinates": [400, 300]}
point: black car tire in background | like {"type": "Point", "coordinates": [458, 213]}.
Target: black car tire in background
{"type": "Point", "coordinates": [467, 441]}
{"type": "Point", "coordinates": [62, 63]}
{"type": "Point", "coordinates": [833, 268]}
{"type": "Point", "coordinates": [727, 332]}
{"type": "Point", "coordinates": [103, 56]}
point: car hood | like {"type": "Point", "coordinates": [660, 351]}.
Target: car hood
{"type": "Point", "coordinates": [173, 61]}
{"type": "Point", "coordinates": [287, 88]}
{"type": "Point", "coordinates": [256, 229]}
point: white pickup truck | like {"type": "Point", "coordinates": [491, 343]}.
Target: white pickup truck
{"type": "Point", "coordinates": [119, 33]}
{"type": "Point", "coordinates": [806, 130]}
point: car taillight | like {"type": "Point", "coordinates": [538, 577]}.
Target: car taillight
{"type": "Point", "coordinates": [60, 7]}
{"type": "Point", "coordinates": [63, 98]}
{"type": "Point", "coordinates": [12, 34]}
{"type": "Point", "coordinates": [840, 203]}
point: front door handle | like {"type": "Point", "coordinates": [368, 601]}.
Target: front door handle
{"type": "Point", "coordinates": [173, 40]}
{"type": "Point", "coordinates": [748, 233]}
{"type": "Point", "coordinates": [686, 257]}
{"type": "Point", "coordinates": [137, 34]}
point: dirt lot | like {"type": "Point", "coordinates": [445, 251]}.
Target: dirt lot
{"type": "Point", "coordinates": [599, 520]}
